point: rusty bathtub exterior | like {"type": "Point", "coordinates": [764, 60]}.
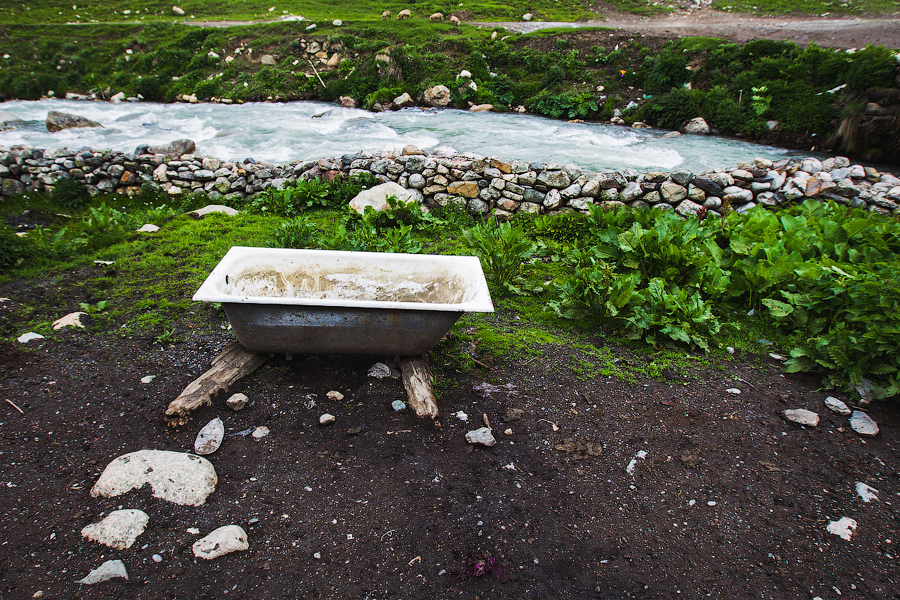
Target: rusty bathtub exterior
{"type": "Point", "coordinates": [282, 319]}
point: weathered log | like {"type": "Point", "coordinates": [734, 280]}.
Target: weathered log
{"type": "Point", "coordinates": [232, 364]}
{"type": "Point", "coordinates": [418, 383]}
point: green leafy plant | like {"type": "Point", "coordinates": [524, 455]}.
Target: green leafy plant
{"type": "Point", "coordinates": [70, 193]}
{"type": "Point", "coordinates": [760, 102]}
{"type": "Point", "coordinates": [503, 249]}
{"type": "Point", "coordinates": [296, 233]}
{"type": "Point", "coordinates": [93, 308]}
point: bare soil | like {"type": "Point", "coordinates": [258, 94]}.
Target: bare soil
{"type": "Point", "coordinates": [828, 31]}
{"type": "Point", "coordinates": [729, 500]}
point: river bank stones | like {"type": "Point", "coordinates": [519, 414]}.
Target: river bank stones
{"type": "Point", "coordinates": [480, 184]}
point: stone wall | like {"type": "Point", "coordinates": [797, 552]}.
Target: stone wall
{"type": "Point", "coordinates": [480, 184]}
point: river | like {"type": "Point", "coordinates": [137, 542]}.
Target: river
{"type": "Point", "coordinates": [284, 132]}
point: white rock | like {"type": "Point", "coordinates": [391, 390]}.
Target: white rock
{"type": "Point", "coordinates": [27, 337]}
{"type": "Point", "coordinates": [224, 540]}
{"type": "Point", "coordinates": [148, 228]}
{"type": "Point", "coordinates": [641, 455]}
{"type": "Point", "coordinates": [462, 416]}
{"type": "Point", "coordinates": [210, 437]}
{"type": "Point", "coordinates": [866, 493]}
{"type": "Point", "coordinates": [836, 406]}
{"type": "Point", "coordinates": [260, 432]}
{"type": "Point", "coordinates": [696, 126]}
{"type": "Point", "coordinates": [481, 436]}
{"type": "Point", "coordinates": [237, 402]}
{"type": "Point", "coordinates": [334, 396]}
{"type": "Point", "coordinates": [464, 74]}
{"type": "Point", "coordinates": [174, 476]}
{"type": "Point", "coordinates": [527, 17]}
{"type": "Point", "coordinates": [376, 197]}
{"type": "Point", "coordinates": [801, 416]}
{"type": "Point", "coordinates": [70, 320]}
{"type": "Point", "coordinates": [177, 10]}
{"type": "Point", "coordinates": [863, 424]}
{"type": "Point", "coordinates": [119, 529]}
{"type": "Point", "coordinates": [379, 371]}
{"type": "Point", "coordinates": [111, 569]}
{"type": "Point", "coordinates": [214, 208]}
{"type": "Point", "coordinates": [147, 378]}
{"type": "Point", "coordinates": [843, 527]}
{"type": "Point", "coordinates": [734, 391]}
{"type": "Point", "coordinates": [337, 22]}
{"type": "Point", "coordinates": [327, 419]}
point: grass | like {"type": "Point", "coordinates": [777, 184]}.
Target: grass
{"type": "Point", "coordinates": [809, 7]}
{"type": "Point", "coordinates": [155, 11]}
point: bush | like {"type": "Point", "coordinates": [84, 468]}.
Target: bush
{"type": "Point", "coordinates": [70, 193]}
{"type": "Point", "coordinates": [12, 247]}
{"type": "Point", "coordinates": [671, 110]}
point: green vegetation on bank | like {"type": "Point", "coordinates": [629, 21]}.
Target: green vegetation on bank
{"type": "Point", "coordinates": [809, 7]}
{"type": "Point", "coordinates": [821, 280]}
{"type": "Point", "coordinates": [738, 89]}
{"type": "Point", "coordinates": [152, 11]}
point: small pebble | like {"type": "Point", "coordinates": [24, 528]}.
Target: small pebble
{"type": "Point", "coordinates": [481, 436]}
{"type": "Point", "coordinates": [157, 558]}
{"type": "Point", "coordinates": [734, 391]}
{"type": "Point", "coordinates": [711, 503]}
{"type": "Point", "coordinates": [27, 337]}
{"type": "Point", "coordinates": [148, 378]}
{"type": "Point", "coordinates": [333, 395]}
{"type": "Point", "coordinates": [843, 528]}
{"type": "Point", "coordinates": [237, 402]}
{"type": "Point", "coordinates": [863, 424]}
{"type": "Point", "coordinates": [398, 405]}
{"type": "Point", "coordinates": [462, 416]}
{"type": "Point", "coordinates": [317, 556]}
{"type": "Point", "coordinates": [729, 349]}
{"type": "Point", "coordinates": [836, 406]}
{"type": "Point", "coordinates": [801, 416]}
{"type": "Point", "coordinates": [327, 419]}
{"type": "Point", "coordinates": [508, 432]}
{"type": "Point", "coordinates": [260, 432]}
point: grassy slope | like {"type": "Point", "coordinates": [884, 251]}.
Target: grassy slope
{"type": "Point", "coordinates": [147, 11]}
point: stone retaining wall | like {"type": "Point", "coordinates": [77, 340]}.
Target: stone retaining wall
{"type": "Point", "coordinates": [480, 184]}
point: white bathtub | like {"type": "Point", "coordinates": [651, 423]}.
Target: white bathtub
{"type": "Point", "coordinates": [329, 302]}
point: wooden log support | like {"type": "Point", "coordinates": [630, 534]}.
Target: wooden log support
{"type": "Point", "coordinates": [418, 383]}
{"type": "Point", "coordinates": [232, 364]}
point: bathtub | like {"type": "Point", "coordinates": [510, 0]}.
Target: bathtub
{"type": "Point", "coordinates": [330, 302]}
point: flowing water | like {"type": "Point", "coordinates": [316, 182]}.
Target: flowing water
{"type": "Point", "coordinates": [281, 133]}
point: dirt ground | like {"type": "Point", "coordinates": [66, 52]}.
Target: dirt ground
{"type": "Point", "coordinates": [665, 488]}
{"type": "Point", "coordinates": [828, 31]}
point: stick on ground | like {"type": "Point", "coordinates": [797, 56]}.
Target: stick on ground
{"type": "Point", "coordinates": [232, 364]}
{"type": "Point", "coordinates": [419, 389]}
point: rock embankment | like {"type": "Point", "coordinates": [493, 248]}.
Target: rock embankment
{"type": "Point", "coordinates": [481, 184]}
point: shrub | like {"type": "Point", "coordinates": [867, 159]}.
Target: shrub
{"type": "Point", "coordinates": [70, 193]}
{"type": "Point", "coordinates": [503, 250]}
{"type": "Point", "coordinates": [296, 233]}
{"type": "Point", "coordinates": [12, 247]}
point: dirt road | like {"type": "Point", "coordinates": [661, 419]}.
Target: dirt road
{"type": "Point", "coordinates": [825, 31]}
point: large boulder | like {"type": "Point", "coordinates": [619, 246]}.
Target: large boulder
{"type": "Point", "coordinates": [176, 148]}
{"type": "Point", "coordinates": [438, 96]}
{"type": "Point", "coordinates": [696, 126]}
{"type": "Point", "coordinates": [377, 196]}
{"type": "Point", "coordinates": [57, 121]}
